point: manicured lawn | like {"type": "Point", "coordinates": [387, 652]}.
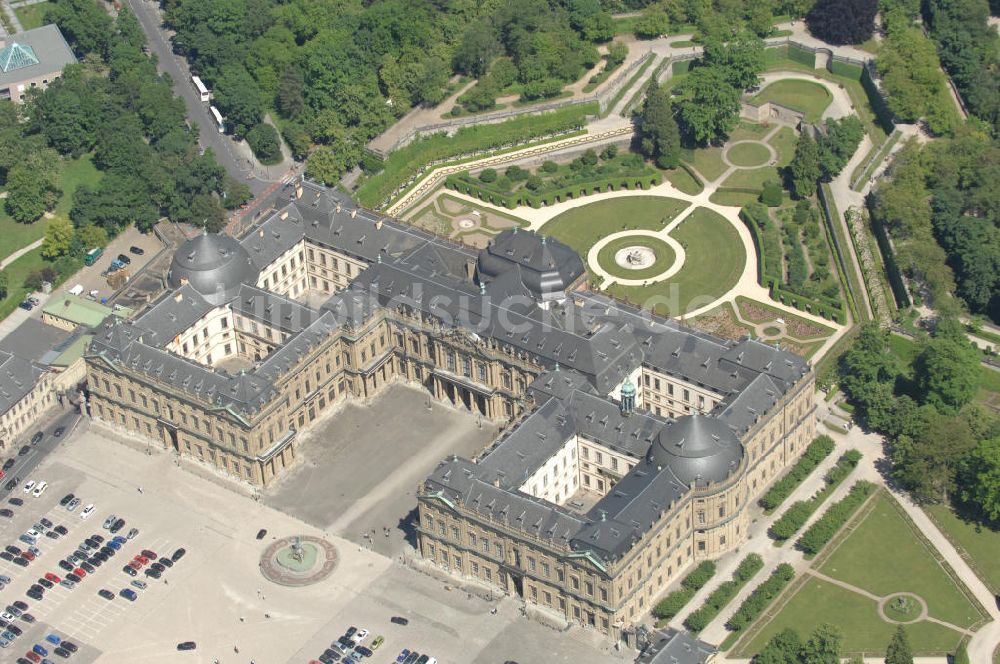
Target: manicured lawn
{"type": "Point", "coordinates": [733, 198]}
{"type": "Point", "coordinates": [748, 154]}
{"type": "Point", "coordinates": [583, 226]}
{"type": "Point", "coordinates": [806, 96]}
{"type": "Point", "coordinates": [16, 273]}
{"type": "Point", "coordinates": [746, 131]}
{"type": "Point", "coordinates": [684, 181]}
{"type": "Point", "coordinates": [752, 178]}
{"type": "Point", "coordinates": [884, 556]}
{"type": "Point", "coordinates": [784, 143]}
{"type": "Point", "coordinates": [665, 257]}
{"type": "Point", "coordinates": [707, 161]}
{"type": "Point", "coordinates": [714, 261]}
{"type": "Point", "coordinates": [976, 542]}
{"type": "Point", "coordinates": [32, 16]}
{"type": "Point", "coordinates": [856, 616]}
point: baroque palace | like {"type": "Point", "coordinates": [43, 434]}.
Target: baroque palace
{"type": "Point", "coordinates": [633, 445]}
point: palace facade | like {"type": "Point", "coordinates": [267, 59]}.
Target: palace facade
{"type": "Point", "coordinates": [633, 445]}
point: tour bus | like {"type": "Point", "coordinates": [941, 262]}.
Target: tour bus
{"type": "Point", "coordinates": [203, 92]}
{"type": "Point", "coordinates": [218, 119]}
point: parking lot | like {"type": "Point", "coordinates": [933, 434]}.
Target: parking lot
{"type": "Point", "coordinates": [216, 596]}
{"type": "Point", "coordinates": [361, 471]}
{"type": "Point", "coordinates": [90, 277]}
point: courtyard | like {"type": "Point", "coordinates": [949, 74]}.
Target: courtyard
{"type": "Point", "coordinates": [216, 595]}
{"type": "Point", "coordinates": [358, 472]}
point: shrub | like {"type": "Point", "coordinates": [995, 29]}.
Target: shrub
{"type": "Point", "coordinates": [771, 195]}
{"type": "Point", "coordinates": [818, 450]}
{"type": "Point", "coordinates": [699, 576]}
{"type": "Point", "coordinates": [488, 175]}
{"type": "Point", "coordinates": [824, 528]}
{"type": "Point", "coordinates": [610, 152]}
{"type": "Point", "coordinates": [714, 603]}
{"type": "Point", "coordinates": [550, 166]}
{"type": "Point", "coordinates": [796, 516]}
{"type": "Point", "coordinates": [534, 183]}
{"type": "Point", "coordinates": [671, 605]}
{"type": "Point", "coordinates": [516, 174]}
{"type": "Point", "coordinates": [589, 158]}
{"type": "Point", "coordinates": [761, 597]}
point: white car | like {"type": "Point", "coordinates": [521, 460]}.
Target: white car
{"type": "Point", "coordinates": [29, 485]}
{"type": "Point", "coordinates": [6, 616]}
{"type": "Point", "coordinates": [87, 511]}
{"type": "Point", "coordinates": [359, 636]}
{"type": "Point", "coordinates": [33, 534]}
{"type": "Point", "coordinates": [40, 489]}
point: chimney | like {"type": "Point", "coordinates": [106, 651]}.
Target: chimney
{"type": "Point", "coordinates": [378, 224]}
{"type": "Point", "coordinates": [283, 215]}
{"type": "Point", "coordinates": [298, 191]}
{"type": "Point", "coordinates": [179, 296]}
{"type": "Point", "coordinates": [354, 213]}
{"type": "Point", "coordinates": [261, 233]}
{"type": "Point", "coordinates": [470, 268]}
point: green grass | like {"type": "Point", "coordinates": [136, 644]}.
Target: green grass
{"type": "Point", "coordinates": [816, 602]}
{"type": "Point", "coordinates": [805, 96]}
{"type": "Point", "coordinates": [665, 257]}
{"type": "Point", "coordinates": [74, 173]}
{"type": "Point", "coordinates": [682, 43]}
{"type": "Point", "coordinates": [19, 270]}
{"type": "Point", "coordinates": [978, 543]}
{"type": "Point", "coordinates": [869, 46]}
{"type": "Point", "coordinates": [784, 142]}
{"type": "Point", "coordinates": [583, 226]}
{"type": "Point", "coordinates": [885, 555]}
{"type": "Point", "coordinates": [732, 198]}
{"type": "Point", "coordinates": [707, 161]}
{"type": "Point", "coordinates": [714, 261]}
{"type": "Point", "coordinates": [32, 16]}
{"type": "Point", "coordinates": [752, 178]}
{"type": "Point", "coordinates": [747, 131]}
{"type": "Point", "coordinates": [684, 181]}
{"type": "Point", "coordinates": [748, 155]}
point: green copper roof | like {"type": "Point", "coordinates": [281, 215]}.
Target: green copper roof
{"type": "Point", "coordinates": [17, 56]}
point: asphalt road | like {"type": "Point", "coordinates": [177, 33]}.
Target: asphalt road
{"type": "Point", "coordinates": [25, 465]}
{"type": "Point", "coordinates": [227, 154]}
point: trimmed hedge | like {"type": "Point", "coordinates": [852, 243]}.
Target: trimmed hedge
{"type": "Point", "coordinates": [671, 605]}
{"type": "Point", "coordinates": [823, 530]}
{"type": "Point", "coordinates": [799, 512]}
{"type": "Point", "coordinates": [699, 619]}
{"type": "Point", "coordinates": [770, 267]}
{"type": "Point", "coordinates": [761, 597]}
{"type": "Point", "coordinates": [818, 450]}
{"type": "Point", "coordinates": [405, 162]}
{"type": "Point", "coordinates": [511, 200]}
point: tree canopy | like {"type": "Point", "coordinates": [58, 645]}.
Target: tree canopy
{"type": "Point", "coordinates": [661, 138]}
{"type": "Point", "coordinates": [843, 21]}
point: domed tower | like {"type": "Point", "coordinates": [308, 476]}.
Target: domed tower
{"type": "Point", "coordinates": [545, 267]}
{"type": "Point", "coordinates": [697, 449]}
{"type": "Point", "coordinates": [214, 265]}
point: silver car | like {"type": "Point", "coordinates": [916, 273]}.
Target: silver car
{"type": "Point", "coordinates": [110, 522]}
{"type": "Point", "coordinates": [73, 504]}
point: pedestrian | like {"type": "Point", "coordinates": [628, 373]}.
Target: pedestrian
{"type": "Point", "coordinates": [236, 650]}
{"type": "Point", "coordinates": [242, 619]}
{"type": "Point", "coordinates": [267, 615]}
{"type": "Point", "coordinates": [140, 489]}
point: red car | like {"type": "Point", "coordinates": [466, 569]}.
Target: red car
{"type": "Point", "coordinates": [142, 560]}
{"type": "Point", "coordinates": [134, 564]}
{"type": "Point", "coordinates": [149, 554]}
{"type": "Point", "coordinates": [79, 572]}
{"type": "Point", "coordinates": [27, 555]}
{"type": "Point", "coordinates": [33, 656]}
{"type": "Point", "coordinates": [52, 577]}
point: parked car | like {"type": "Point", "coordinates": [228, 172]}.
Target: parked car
{"type": "Point", "coordinates": [28, 486]}
{"type": "Point", "coordinates": [124, 259]}
{"type": "Point", "coordinates": [15, 501]}
{"type": "Point", "coordinates": [261, 533]}
{"type": "Point", "coordinates": [187, 645]}
{"type": "Point", "coordinates": [178, 554]}
{"type": "Point", "coordinates": [61, 529]}
{"type": "Point", "coordinates": [138, 251]}
{"type": "Point", "coordinates": [73, 504]}
{"type": "Point", "coordinates": [106, 594]}
{"type": "Point", "coordinates": [37, 438]}
{"type": "Point", "coordinates": [67, 583]}
{"type": "Point", "coordinates": [128, 594]}
{"type": "Point", "coordinates": [24, 450]}
{"type": "Point", "coordinates": [7, 513]}
{"type": "Point", "coordinates": [87, 511]}
{"type": "Point", "coordinates": [52, 577]}
{"type": "Point", "coordinates": [117, 525]}
{"type": "Point", "coordinates": [132, 533]}
{"type": "Point", "coordinates": [129, 570]}
{"type": "Point", "coordinates": [140, 584]}
{"type": "Point", "coordinates": [59, 431]}
{"type": "Point", "coordinates": [110, 521]}
{"type": "Point", "coordinates": [27, 306]}
{"type": "Point", "coordinates": [8, 463]}
{"type": "Point", "coordinates": [40, 489]}
{"type": "Point", "coordinates": [399, 620]}
{"type": "Point", "coordinates": [64, 501]}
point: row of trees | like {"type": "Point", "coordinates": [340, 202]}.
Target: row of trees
{"type": "Point", "coordinates": [29, 169]}
{"type": "Point", "coordinates": [824, 646]}
{"type": "Point", "coordinates": [970, 51]}
{"type": "Point", "coordinates": [942, 207]}
{"type": "Point", "coordinates": [941, 444]}
{"type": "Point", "coordinates": [714, 20]}
{"type": "Point", "coordinates": [118, 107]}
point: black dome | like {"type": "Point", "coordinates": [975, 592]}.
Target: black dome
{"type": "Point", "coordinates": [697, 449]}
{"type": "Point", "coordinates": [547, 267]}
{"type": "Point", "coordinates": [215, 266]}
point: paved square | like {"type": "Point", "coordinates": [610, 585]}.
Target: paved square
{"type": "Point", "coordinates": [216, 595]}
{"type": "Point", "coordinates": [363, 463]}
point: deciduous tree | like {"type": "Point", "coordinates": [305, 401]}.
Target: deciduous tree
{"type": "Point", "coordinates": [58, 237]}
{"type": "Point", "coordinates": [804, 171]}
{"type": "Point", "coordinates": [843, 21]}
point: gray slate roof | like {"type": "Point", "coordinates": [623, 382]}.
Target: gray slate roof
{"type": "Point", "coordinates": [17, 378]}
